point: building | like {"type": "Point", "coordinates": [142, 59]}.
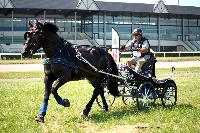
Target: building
{"type": "Point", "coordinates": [168, 27]}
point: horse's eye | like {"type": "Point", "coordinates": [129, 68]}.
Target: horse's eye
{"type": "Point", "coordinates": [27, 35]}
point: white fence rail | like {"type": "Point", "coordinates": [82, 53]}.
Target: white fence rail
{"type": "Point", "coordinates": [179, 54]}
{"type": "Point", "coordinates": [18, 54]}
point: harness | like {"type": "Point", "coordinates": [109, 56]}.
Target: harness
{"type": "Point", "coordinates": [58, 60]}
{"type": "Point", "coordinates": [64, 61]}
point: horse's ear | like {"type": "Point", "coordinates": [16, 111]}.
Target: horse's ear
{"type": "Point", "coordinates": [30, 24]}
{"type": "Point", "coordinates": [38, 24]}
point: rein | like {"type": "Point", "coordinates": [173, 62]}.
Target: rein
{"type": "Point", "coordinates": [81, 58]}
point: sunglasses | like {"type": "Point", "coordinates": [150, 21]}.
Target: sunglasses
{"type": "Point", "coordinates": [136, 34]}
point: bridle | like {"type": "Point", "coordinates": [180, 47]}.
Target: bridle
{"type": "Point", "coordinates": [31, 46]}
{"type": "Point", "coordinates": [37, 36]}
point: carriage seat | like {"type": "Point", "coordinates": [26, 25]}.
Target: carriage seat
{"type": "Point", "coordinates": [150, 62]}
{"type": "Point", "coordinates": [149, 66]}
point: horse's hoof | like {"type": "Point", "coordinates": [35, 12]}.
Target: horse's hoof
{"type": "Point", "coordinates": [84, 114]}
{"type": "Point", "coordinates": [39, 119]}
{"type": "Point", "coordinates": [66, 103]}
{"type": "Point", "coordinates": [104, 109]}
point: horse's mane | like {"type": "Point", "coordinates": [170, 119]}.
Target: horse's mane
{"type": "Point", "coordinates": [50, 27]}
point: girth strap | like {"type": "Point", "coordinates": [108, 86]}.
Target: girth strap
{"type": "Point", "coordinates": [62, 61]}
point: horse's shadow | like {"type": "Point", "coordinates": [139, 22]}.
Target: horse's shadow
{"type": "Point", "coordinates": [129, 111]}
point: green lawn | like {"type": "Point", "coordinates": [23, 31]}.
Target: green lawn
{"type": "Point", "coordinates": [23, 61]}
{"type": "Point", "coordinates": [21, 100]}
{"type": "Point", "coordinates": [21, 75]}
{"type": "Point", "coordinates": [123, 59]}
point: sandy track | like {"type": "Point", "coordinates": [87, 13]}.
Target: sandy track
{"type": "Point", "coordinates": [39, 67]}
{"type": "Point", "coordinates": [21, 68]}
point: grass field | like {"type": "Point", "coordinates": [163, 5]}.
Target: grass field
{"type": "Point", "coordinates": [21, 100]}
{"type": "Point", "coordinates": [160, 59]}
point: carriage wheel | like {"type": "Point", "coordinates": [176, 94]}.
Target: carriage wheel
{"type": "Point", "coordinates": [110, 99]}
{"type": "Point", "coordinates": [169, 95]}
{"type": "Point", "coordinates": [146, 95]}
{"type": "Point", "coordinates": [128, 95]}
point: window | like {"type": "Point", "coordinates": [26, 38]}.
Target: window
{"type": "Point", "coordinates": [169, 32]}
{"type": "Point", "coordinates": [198, 21]}
{"type": "Point", "coordinates": [5, 24]}
{"type": "Point", "coordinates": [109, 19]}
{"type": "Point", "coordinates": [192, 22]}
{"type": "Point", "coordinates": [153, 21]}
{"type": "Point", "coordinates": [19, 24]}
{"type": "Point", "coordinates": [185, 22]}
{"type": "Point", "coordinates": [168, 21]}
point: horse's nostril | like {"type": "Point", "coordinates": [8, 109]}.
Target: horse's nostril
{"type": "Point", "coordinates": [24, 54]}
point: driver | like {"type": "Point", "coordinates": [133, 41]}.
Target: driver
{"type": "Point", "coordinates": [141, 50]}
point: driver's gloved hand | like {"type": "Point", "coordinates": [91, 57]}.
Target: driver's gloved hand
{"type": "Point", "coordinates": [137, 49]}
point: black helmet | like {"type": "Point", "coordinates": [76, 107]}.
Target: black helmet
{"type": "Point", "coordinates": [137, 31]}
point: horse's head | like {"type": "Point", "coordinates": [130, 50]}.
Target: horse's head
{"type": "Point", "coordinates": [32, 39]}
{"type": "Point", "coordinates": [42, 36]}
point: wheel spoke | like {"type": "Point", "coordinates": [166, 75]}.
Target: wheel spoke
{"type": "Point", "coordinates": [109, 98]}
{"type": "Point", "coordinates": [169, 94]}
{"type": "Point", "coordinates": [146, 95]}
{"type": "Point", "coordinates": [128, 91]}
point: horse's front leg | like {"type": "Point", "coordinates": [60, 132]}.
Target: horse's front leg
{"type": "Point", "coordinates": [58, 83]}
{"type": "Point", "coordinates": [48, 84]}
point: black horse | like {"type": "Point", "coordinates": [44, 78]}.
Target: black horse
{"type": "Point", "coordinates": [65, 62]}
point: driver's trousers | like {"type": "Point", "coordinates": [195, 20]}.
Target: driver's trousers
{"type": "Point", "coordinates": [138, 62]}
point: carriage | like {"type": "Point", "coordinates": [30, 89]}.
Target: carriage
{"type": "Point", "coordinates": [143, 89]}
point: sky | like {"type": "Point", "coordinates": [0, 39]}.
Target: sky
{"type": "Point", "coordinates": [167, 2]}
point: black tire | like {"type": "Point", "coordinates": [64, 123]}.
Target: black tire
{"type": "Point", "coordinates": [129, 97]}
{"type": "Point", "coordinates": [146, 95]}
{"type": "Point", "coordinates": [169, 94]}
{"type": "Point", "coordinates": [110, 99]}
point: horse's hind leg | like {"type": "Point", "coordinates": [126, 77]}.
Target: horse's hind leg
{"type": "Point", "coordinates": [88, 107]}
{"type": "Point", "coordinates": [97, 90]}
{"type": "Point", "coordinates": [58, 83]}
{"type": "Point", "coordinates": [105, 105]}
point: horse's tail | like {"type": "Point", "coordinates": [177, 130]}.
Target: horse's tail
{"type": "Point", "coordinates": [112, 82]}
